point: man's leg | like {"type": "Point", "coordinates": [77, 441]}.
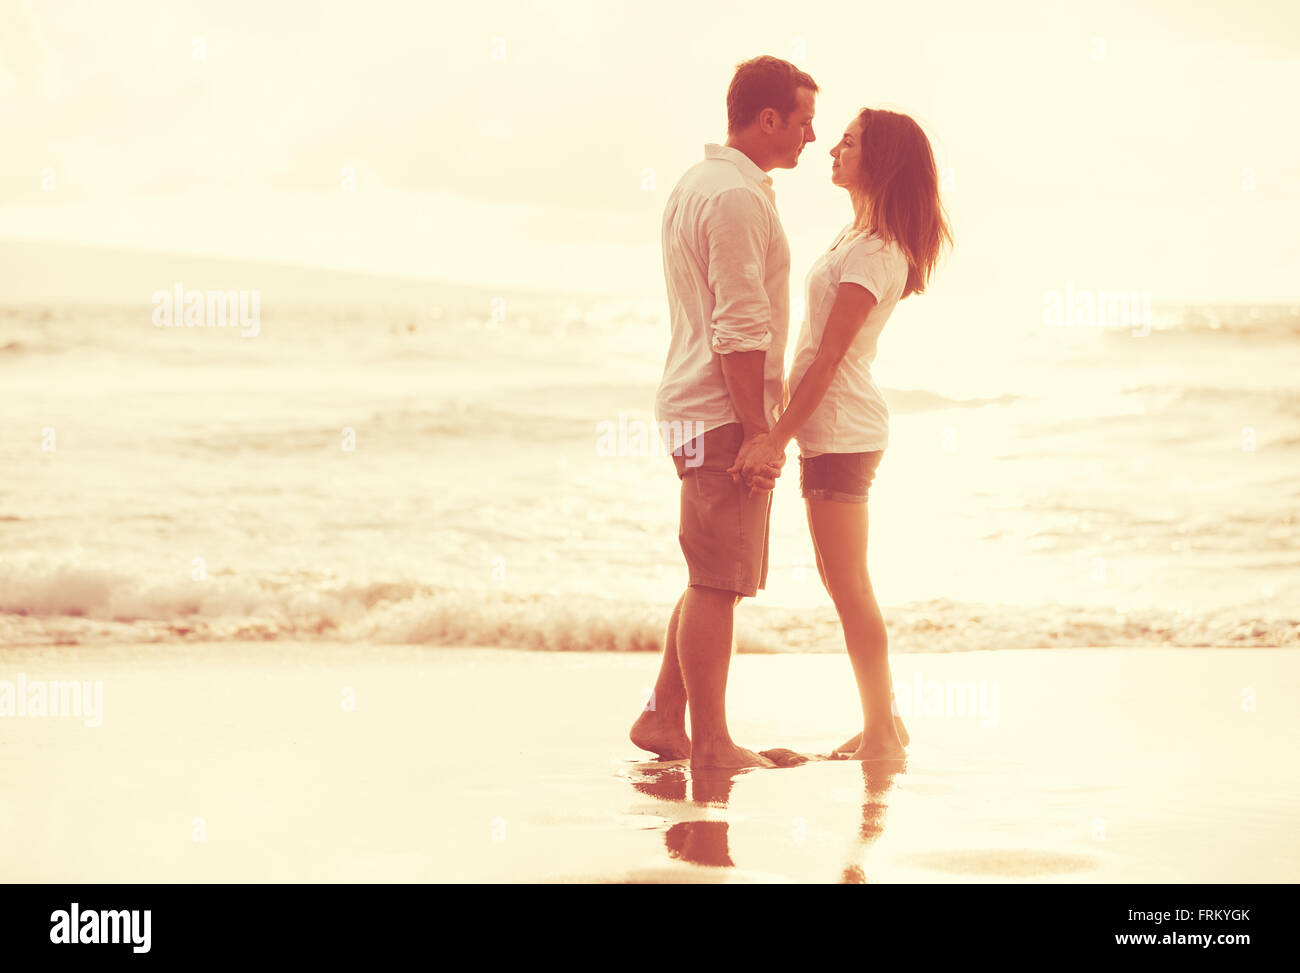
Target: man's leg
{"type": "Point", "coordinates": [723, 537]}
{"type": "Point", "coordinates": [704, 634]}
{"type": "Point", "coordinates": [661, 727]}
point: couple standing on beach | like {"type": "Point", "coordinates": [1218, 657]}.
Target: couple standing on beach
{"type": "Point", "coordinates": [727, 268]}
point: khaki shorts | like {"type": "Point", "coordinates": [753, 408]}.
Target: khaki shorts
{"type": "Point", "coordinates": [723, 531]}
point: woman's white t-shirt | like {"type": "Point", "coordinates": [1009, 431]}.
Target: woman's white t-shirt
{"type": "Point", "coordinates": [852, 417]}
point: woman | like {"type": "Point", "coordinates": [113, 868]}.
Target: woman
{"type": "Point", "coordinates": [835, 410]}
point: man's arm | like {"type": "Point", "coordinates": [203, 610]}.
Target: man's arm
{"type": "Point", "coordinates": [737, 228]}
{"type": "Point", "coordinates": [743, 373]}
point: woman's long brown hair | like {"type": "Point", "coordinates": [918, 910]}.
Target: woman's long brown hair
{"type": "Point", "coordinates": [898, 173]}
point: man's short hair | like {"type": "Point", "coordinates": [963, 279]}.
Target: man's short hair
{"type": "Point", "coordinates": [763, 82]}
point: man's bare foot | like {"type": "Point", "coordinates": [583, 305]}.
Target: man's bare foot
{"type": "Point", "coordinates": [664, 737]}
{"type": "Point", "coordinates": [727, 757]}
{"type": "Point", "coordinates": [851, 745]}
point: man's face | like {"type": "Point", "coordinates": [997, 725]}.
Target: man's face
{"type": "Point", "coordinates": [798, 130]}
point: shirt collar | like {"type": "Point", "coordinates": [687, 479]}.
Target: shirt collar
{"type": "Point", "coordinates": [742, 162]}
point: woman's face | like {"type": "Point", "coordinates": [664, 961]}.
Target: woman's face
{"type": "Point", "coordinates": [846, 155]}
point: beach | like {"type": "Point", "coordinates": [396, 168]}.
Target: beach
{"type": "Point", "coordinates": [341, 528]}
{"type": "Point", "coordinates": [324, 762]}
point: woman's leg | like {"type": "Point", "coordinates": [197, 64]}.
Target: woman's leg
{"type": "Point", "coordinates": [839, 532]}
{"type": "Point", "coordinates": [853, 742]}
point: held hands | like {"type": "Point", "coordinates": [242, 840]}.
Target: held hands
{"type": "Point", "coordinates": [758, 463]}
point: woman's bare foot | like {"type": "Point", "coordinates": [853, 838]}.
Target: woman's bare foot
{"type": "Point", "coordinates": [851, 745]}
{"type": "Point", "coordinates": [885, 750]}
{"type": "Point", "coordinates": [661, 735]}
{"type": "Point", "coordinates": [726, 757]}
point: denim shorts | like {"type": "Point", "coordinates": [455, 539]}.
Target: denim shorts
{"type": "Point", "coordinates": [838, 476]}
{"type": "Point", "coordinates": [723, 530]}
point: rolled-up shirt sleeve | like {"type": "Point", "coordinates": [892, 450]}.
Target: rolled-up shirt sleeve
{"type": "Point", "coordinates": [737, 228]}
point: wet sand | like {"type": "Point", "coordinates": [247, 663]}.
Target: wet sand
{"type": "Point", "coordinates": [354, 763]}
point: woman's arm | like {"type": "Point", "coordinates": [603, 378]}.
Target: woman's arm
{"type": "Point", "coordinates": [853, 303]}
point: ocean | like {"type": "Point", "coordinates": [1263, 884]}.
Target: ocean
{"type": "Point", "coordinates": [490, 475]}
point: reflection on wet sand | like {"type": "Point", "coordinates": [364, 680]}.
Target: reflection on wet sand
{"type": "Point", "coordinates": [701, 842]}
{"type": "Point", "coordinates": [704, 841]}
{"type": "Point", "coordinates": [878, 780]}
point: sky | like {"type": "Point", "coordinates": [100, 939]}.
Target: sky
{"type": "Point", "coordinates": [1126, 146]}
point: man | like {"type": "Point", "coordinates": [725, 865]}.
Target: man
{"type": "Point", "coordinates": [727, 268]}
